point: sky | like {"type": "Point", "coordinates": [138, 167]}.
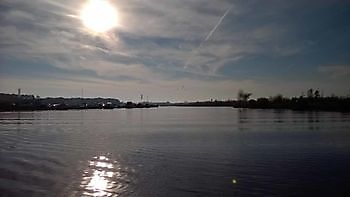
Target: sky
{"type": "Point", "coordinates": [176, 50]}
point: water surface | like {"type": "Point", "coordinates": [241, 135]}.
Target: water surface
{"type": "Point", "coordinates": [174, 152]}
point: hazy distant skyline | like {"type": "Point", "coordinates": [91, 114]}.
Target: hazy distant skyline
{"type": "Point", "coordinates": [176, 50]}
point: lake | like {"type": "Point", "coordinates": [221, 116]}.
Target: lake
{"type": "Point", "coordinates": [174, 151]}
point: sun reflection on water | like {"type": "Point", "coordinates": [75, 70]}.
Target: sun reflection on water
{"type": "Point", "coordinates": [103, 177]}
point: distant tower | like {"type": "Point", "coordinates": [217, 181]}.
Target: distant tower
{"type": "Point", "coordinates": [19, 92]}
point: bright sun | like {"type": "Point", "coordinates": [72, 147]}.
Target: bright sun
{"type": "Point", "coordinates": [99, 16]}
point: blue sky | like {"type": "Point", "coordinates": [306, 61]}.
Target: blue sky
{"type": "Point", "coordinates": [177, 50]}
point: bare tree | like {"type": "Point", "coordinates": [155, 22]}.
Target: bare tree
{"type": "Point", "coordinates": [243, 96]}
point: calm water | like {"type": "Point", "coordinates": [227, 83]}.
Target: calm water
{"type": "Point", "coordinates": [174, 152]}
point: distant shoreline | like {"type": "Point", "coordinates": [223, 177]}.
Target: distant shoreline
{"type": "Point", "coordinates": [176, 106]}
{"type": "Point", "coordinates": [13, 102]}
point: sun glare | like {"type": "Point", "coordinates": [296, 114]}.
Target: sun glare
{"type": "Point", "coordinates": [99, 16]}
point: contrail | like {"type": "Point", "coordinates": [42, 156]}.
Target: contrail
{"type": "Point", "coordinates": [208, 36]}
{"type": "Point", "coordinates": [217, 25]}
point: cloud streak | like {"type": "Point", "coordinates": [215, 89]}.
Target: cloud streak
{"type": "Point", "coordinates": [212, 31]}
{"type": "Point", "coordinates": [336, 71]}
{"type": "Point", "coordinates": [217, 24]}
{"type": "Point", "coordinates": [196, 43]}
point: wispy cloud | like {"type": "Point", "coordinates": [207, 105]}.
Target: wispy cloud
{"type": "Point", "coordinates": [195, 51]}
{"type": "Point", "coordinates": [163, 40]}
{"type": "Point", "coordinates": [217, 24]}
{"type": "Point", "coordinates": [336, 71]}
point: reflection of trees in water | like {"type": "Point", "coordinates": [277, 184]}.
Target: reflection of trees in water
{"type": "Point", "coordinates": [129, 115]}
{"type": "Point", "coordinates": [82, 117]}
{"type": "Point", "coordinates": [18, 130]}
{"type": "Point", "coordinates": [18, 117]}
{"type": "Point", "coordinates": [279, 115]}
{"type": "Point", "coordinates": [242, 119]}
{"type": "Point", "coordinates": [141, 120]}
{"type": "Point", "coordinates": [242, 116]}
{"type": "Point", "coordinates": [313, 119]}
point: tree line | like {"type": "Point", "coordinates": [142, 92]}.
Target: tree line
{"type": "Point", "coordinates": [313, 100]}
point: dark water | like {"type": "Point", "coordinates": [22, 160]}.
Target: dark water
{"type": "Point", "coordinates": [174, 152]}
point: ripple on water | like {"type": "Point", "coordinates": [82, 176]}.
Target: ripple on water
{"type": "Point", "coordinates": [104, 177]}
